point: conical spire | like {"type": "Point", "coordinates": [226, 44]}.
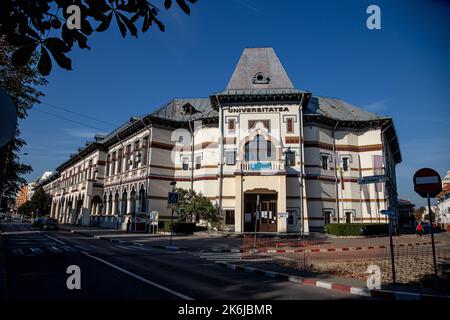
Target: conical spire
{"type": "Point", "coordinates": [259, 68]}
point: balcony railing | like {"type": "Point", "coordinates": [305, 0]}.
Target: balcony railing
{"type": "Point", "coordinates": [261, 166]}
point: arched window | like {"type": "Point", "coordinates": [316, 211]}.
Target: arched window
{"type": "Point", "coordinates": [259, 149]}
{"type": "Point", "coordinates": [110, 203]}
{"type": "Point", "coordinates": [116, 203]}
{"type": "Point", "coordinates": [133, 201]}
{"type": "Point", "coordinates": [123, 210]}
{"type": "Point", "coordinates": [142, 200]}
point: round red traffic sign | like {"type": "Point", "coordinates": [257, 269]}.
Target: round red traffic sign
{"type": "Point", "coordinates": [427, 182]}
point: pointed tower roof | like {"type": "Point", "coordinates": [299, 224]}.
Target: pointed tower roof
{"type": "Point", "coordinates": [259, 68]}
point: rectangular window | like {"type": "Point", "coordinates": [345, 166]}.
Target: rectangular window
{"type": "Point", "coordinates": [136, 155]}
{"type": "Point", "coordinates": [325, 159]}
{"type": "Point", "coordinates": [185, 163]}
{"type": "Point", "coordinates": [231, 125]}
{"type": "Point", "coordinates": [128, 158]}
{"type": "Point", "coordinates": [108, 163]}
{"type": "Point", "coordinates": [292, 216]}
{"type": "Point", "coordinates": [144, 151]}
{"type": "Point", "coordinates": [198, 162]}
{"type": "Point", "coordinates": [90, 170]}
{"type": "Point", "coordinates": [230, 158]}
{"type": "Point", "coordinates": [289, 125]}
{"type": "Point", "coordinates": [290, 158]}
{"type": "Point", "coordinates": [113, 163]}
{"type": "Point", "coordinates": [119, 161]}
{"type": "Point", "coordinates": [345, 162]}
{"type": "Point", "coordinates": [229, 216]}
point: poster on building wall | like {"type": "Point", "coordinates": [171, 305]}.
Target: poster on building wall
{"type": "Point", "coordinates": [248, 217]}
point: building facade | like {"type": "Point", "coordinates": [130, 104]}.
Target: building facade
{"type": "Point", "coordinates": [271, 158]}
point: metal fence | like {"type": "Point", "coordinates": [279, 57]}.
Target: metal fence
{"type": "Point", "coordinates": [413, 259]}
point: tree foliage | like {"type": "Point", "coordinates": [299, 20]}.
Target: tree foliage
{"type": "Point", "coordinates": [41, 202]}
{"type": "Point", "coordinates": [41, 25]}
{"type": "Point", "coordinates": [20, 83]}
{"type": "Point", "coordinates": [194, 205]}
{"type": "Point", "coordinates": [418, 213]}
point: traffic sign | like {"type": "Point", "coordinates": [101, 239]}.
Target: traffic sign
{"type": "Point", "coordinates": [427, 183]}
{"type": "Point", "coordinates": [371, 179]}
{"type": "Point", "coordinates": [173, 197]}
{"type": "Point", "coordinates": [390, 212]}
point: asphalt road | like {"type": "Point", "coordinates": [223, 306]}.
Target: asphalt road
{"type": "Point", "coordinates": [36, 264]}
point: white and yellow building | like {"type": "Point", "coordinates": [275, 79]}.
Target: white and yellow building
{"type": "Point", "coordinates": [260, 145]}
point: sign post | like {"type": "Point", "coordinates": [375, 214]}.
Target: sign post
{"type": "Point", "coordinates": [257, 213]}
{"type": "Point", "coordinates": [390, 213]}
{"type": "Point", "coordinates": [173, 200]}
{"type": "Point", "coordinates": [428, 184]}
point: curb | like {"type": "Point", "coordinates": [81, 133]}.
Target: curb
{"type": "Point", "coordinates": [299, 280]}
{"type": "Point", "coordinates": [341, 249]}
{"type": "Point", "coordinates": [222, 250]}
{"type": "Point", "coordinates": [385, 294]}
{"type": "Point", "coordinates": [170, 248]}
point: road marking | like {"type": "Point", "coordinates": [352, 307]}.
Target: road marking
{"type": "Point", "coordinates": [36, 250]}
{"type": "Point", "coordinates": [17, 252]}
{"type": "Point", "coordinates": [54, 249]}
{"type": "Point", "coordinates": [69, 248]}
{"type": "Point", "coordinates": [57, 240]}
{"type": "Point", "coordinates": [180, 295]}
{"type": "Point", "coordinates": [126, 248]}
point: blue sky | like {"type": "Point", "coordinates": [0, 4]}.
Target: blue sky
{"type": "Point", "coordinates": [402, 70]}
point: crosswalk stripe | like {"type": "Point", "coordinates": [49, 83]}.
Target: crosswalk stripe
{"type": "Point", "coordinates": [17, 252]}
{"type": "Point", "coordinates": [127, 248]}
{"type": "Point", "coordinates": [69, 248]}
{"type": "Point", "coordinates": [36, 250]}
{"type": "Point", "coordinates": [55, 249]}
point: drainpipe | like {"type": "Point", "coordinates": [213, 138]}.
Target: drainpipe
{"type": "Point", "coordinates": [335, 171]}
{"type": "Point", "coordinates": [302, 162]}
{"type": "Point", "coordinates": [147, 180]}
{"type": "Point", "coordinates": [121, 175]}
{"type": "Point", "coordinates": [192, 153]}
{"type": "Point", "coordinates": [221, 156]}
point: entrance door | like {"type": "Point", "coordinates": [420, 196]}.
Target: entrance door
{"type": "Point", "coordinates": [268, 216]}
{"type": "Point", "coordinates": [267, 213]}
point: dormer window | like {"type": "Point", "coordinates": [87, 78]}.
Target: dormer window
{"type": "Point", "coordinates": [260, 78]}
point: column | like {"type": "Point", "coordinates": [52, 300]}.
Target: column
{"type": "Point", "coordinates": [238, 214]}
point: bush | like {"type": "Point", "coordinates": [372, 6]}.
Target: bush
{"type": "Point", "coordinates": [343, 229]}
{"type": "Point", "coordinates": [357, 229]}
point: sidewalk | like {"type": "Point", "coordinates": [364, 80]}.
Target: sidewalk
{"type": "Point", "coordinates": [331, 282]}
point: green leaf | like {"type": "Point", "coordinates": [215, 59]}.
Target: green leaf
{"type": "Point", "coordinates": [160, 24]}
{"type": "Point", "coordinates": [129, 24]}
{"type": "Point", "coordinates": [81, 40]}
{"type": "Point", "coordinates": [56, 44]}
{"type": "Point", "coordinates": [67, 36]}
{"type": "Point", "coordinates": [182, 4]}
{"type": "Point", "coordinates": [22, 56]}
{"type": "Point", "coordinates": [122, 27]}
{"type": "Point", "coordinates": [45, 63]}
{"type": "Point", "coordinates": [60, 58]}
{"type": "Point", "coordinates": [86, 27]}
{"type": "Point", "coordinates": [167, 4]}
{"type": "Point", "coordinates": [105, 23]}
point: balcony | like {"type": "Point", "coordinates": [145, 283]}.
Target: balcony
{"type": "Point", "coordinates": [263, 167]}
